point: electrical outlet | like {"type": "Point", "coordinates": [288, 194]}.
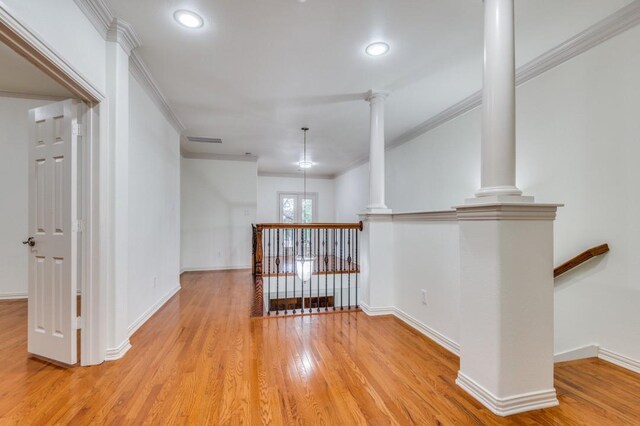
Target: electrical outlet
{"type": "Point", "coordinates": [424, 296]}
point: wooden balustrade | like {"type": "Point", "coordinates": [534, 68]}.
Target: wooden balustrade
{"type": "Point", "coordinates": [305, 268]}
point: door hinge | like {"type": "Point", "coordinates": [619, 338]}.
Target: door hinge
{"type": "Point", "coordinates": [78, 323]}
{"type": "Point", "coordinates": [78, 226]}
{"type": "Point", "coordinates": [77, 129]}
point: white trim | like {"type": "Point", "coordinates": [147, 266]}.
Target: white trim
{"type": "Point", "coordinates": [211, 156]}
{"type": "Point", "coordinates": [38, 52]}
{"type": "Point", "coordinates": [377, 311]}
{"type": "Point", "coordinates": [607, 28]}
{"type": "Point", "coordinates": [141, 73]}
{"type": "Point", "coordinates": [432, 334]}
{"type": "Point", "coordinates": [98, 13]}
{"type": "Point", "coordinates": [589, 351]}
{"type": "Point", "coordinates": [511, 405]}
{"type": "Point", "coordinates": [122, 32]}
{"type": "Point", "coordinates": [432, 216]}
{"type": "Point", "coordinates": [152, 310]}
{"type": "Point", "coordinates": [118, 352]}
{"type": "Point", "coordinates": [214, 268]}
{"type": "Point", "coordinates": [507, 211]}
{"type": "Point", "coordinates": [114, 29]}
{"type": "Point", "coordinates": [13, 296]}
{"type": "Point", "coordinates": [619, 360]}
{"type": "Point", "coordinates": [294, 175]}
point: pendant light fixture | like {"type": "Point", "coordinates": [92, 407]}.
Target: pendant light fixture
{"type": "Point", "coordinates": [304, 262]}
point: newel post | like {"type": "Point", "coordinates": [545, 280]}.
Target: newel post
{"type": "Point", "coordinates": [258, 302]}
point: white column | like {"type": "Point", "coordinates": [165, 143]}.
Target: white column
{"type": "Point", "coordinates": [120, 41]}
{"type": "Point", "coordinates": [499, 102]}
{"type": "Point", "coordinates": [376, 153]}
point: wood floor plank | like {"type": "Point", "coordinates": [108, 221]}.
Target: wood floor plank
{"type": "Point", "coordinates": [202, 360]}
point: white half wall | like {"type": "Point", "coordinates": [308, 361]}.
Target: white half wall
{"type": "Point", "coordinates": [578, 137]}
{"type": "Point", "coordinates": [218, 208]}
{"type": "Point", "coordinates": [270, 186]}
{"type": "Point", "coordinates": [154, 206]}
{"type": "Point", "coordinates": [14, 138]}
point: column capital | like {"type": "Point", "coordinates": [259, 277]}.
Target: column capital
{"type": "Point", "coordinates": [374, 96]}
{"type": "Point", "coordinates": [122, 32]}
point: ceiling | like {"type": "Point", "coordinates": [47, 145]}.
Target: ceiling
{"type": "Point", "coordinates": [259, 70]}
{"type": "Point", "coordinates": [20, 76]}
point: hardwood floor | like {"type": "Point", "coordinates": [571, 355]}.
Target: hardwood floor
{"type": "Point", "coordinates": [202, 360]}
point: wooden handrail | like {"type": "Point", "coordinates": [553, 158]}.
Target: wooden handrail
{"type": "Point", "coordinates": [357, 225]}
{"type": "Point", "coordinates": [580, 259]}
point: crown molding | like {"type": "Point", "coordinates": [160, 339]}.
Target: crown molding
{"type": "Point", "coordinates": [140, 72]}
{"type": "Point", "coordinates": [609, 27]}
{"type": "Point", "coordinates": [221, 157]}
{"type": "Point", "coordinates": [116, 30]}
{"type": "Point", "coordinates": [98, 14]}
{"type": "Point", "coordinates": [122, 32]}
{"type": "Point", "coordinates": [294, 175]}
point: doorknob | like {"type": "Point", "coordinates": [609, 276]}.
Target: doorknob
{"type": "Point", "coordinates": [30, 242]}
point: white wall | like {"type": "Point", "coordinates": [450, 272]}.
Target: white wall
{"type": "Point", "coordinates": [269, 186]}
{"type": "Point", "coordinates": [14, 137]}
{"type": "Point", "coordinates": [154, 205]}
{"type": "Point", "coordinates": [352, 193]}
{"type": "Point", "coordinates": [218, 208]}
{"type": "Point", "coordinates": [579, 144]}
{"type": "Point", "coordinates": [67, 31]}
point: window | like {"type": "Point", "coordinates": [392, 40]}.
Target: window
{"type": "Point", "coordinates": [295, 208]}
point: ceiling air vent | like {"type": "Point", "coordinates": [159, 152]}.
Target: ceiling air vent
{"type": "Point", "coordinates": [203, 140]}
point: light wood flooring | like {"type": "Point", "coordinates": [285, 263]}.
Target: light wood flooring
{"type": "Point", "coordinates": [202, 360]}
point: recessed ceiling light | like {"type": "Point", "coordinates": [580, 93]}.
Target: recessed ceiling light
{"type": "Point", "coordinates": [378, 48]}
{"type": "Point", "coordinates": [305, 164]}
{"type": "Point", "coordinates": [188, 19]}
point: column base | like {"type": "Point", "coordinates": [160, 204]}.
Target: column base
{"type": "Point", "coordinates": [498, 190]}
{"type": "Point", "coordinates": [378, 210]}
{"type": "Point", "coordinates": [511, 405]}
{"type": "Point", "coordinates": [497, 199]}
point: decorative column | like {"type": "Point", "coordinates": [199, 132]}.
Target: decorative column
{"type": "Point", "coordinates": [121, 40]}
{"type": "Point", "coordinates": [377, 204]}
{"type": "Point", "coordinates": [376, 295]}
{"type": "Point", "coordinates": [506, 254]}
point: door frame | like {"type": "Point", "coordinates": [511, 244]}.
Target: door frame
{"type": "Point", "coordinates": [95, 189]}
{"type": "Point", "coordinates": [310, 195]}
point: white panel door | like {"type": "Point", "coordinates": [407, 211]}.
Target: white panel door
{"type": "Point", "coordinates": [53, 243]}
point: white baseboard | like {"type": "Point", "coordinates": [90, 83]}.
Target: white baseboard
{"type": "Point", "coordinates": [511, 405]}
{"type": "Point", "coordinates": [152, 310]}
{"type": "Point", "coordinates": [216, 268]}
{"type": "Point", "coordinates": [589, 351]}
{"type": "Point", "coordinates": [619, 360]}
{"type": "Point", "coordinates": [13, 296]}
{"type": "Point", "coordinates": [432, 334]}
{"type": "Point", "coordinates": [117, 353]}
{"type": "Point", "coordinates": [377, 311]}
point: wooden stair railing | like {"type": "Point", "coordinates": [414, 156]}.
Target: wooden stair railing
{"type": "Point", "coordinates": [580, 259]}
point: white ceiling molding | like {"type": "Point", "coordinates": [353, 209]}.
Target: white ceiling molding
{"type": "Point", "coordinates": [98, 13]}
{"type": "Point", "coordinates": [223, 157]}
{"type": "Point", "coordinates": [616, 23]}
{"type": "Point", "coordinates": [33, 48]}
{"type": "Point", "coordinates": [140, 72]}
{"type": "Point", "coordinates": [115, 29]}
{"type": "Point", "coordinates": [295, 175]}
{"type": "Point", "coordinates": [122, 32]}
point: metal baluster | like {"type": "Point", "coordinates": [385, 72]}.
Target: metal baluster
{"type": "Point", "coordinates": [341, 269]}
{"type": "Point", "coordinates": [318, 253]}
{"type": "Point", "coordinates": [295, 246]}
{"type": "Point", "coordinates": [333, 254]}
{"type": "Point", "coordinates": [286, 267]}
{"type": "Point", "coordinates": [357, 266]}
{"type": "Point", "coordinates": [268, 236]}
{"type": "Point", "coordinates": [303, 254]}
{"type": "Point", "coordinates": [325, 244]}
{"type": "Point", "coordinates": [349, 267]}
{"type": "Point", "coordinates": [277, 270]}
